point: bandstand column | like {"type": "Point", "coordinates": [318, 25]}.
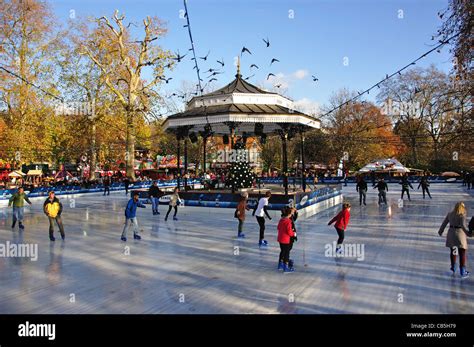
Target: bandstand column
{"type": "Point", "coordinates": [178, 138]}
{"type": "Point", "coordinates": [303, 178]}
{"type": "Point", "coordinates": [204, 145]}
{"type": "Point", "coordinates": [284, 140]}
{"type": "Point", "coordinates": [186, 163]}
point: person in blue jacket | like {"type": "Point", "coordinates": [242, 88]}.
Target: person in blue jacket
{"type": "Point", "coordinates": [131, 217]}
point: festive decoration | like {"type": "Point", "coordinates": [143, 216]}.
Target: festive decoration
{"type": "Point", "coordinates": [240, 174]}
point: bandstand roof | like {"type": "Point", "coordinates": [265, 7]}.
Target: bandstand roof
{"type": "Point", "coordinates": [243, 104]}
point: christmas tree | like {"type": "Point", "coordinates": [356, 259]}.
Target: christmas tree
{"type": "Point", "coordinates": [240, 174]}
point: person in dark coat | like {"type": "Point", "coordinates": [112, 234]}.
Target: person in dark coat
{"type": "Point", "coordinates": [383, 188]}
{"type": "Point", "coordinates": [126, 182]}
{"type": "Point", "coordinates": [361, 187]}
{"type": "Point", "coordinates": [424, 186]}
{"type": "Point", "coordinates": [405, 186]}
{"type": "Point", "coordinates": [106, 186]}
{"type": "Point", "coordinates": [154, 195]}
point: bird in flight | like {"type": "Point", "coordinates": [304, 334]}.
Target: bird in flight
{"type": "Point", "coordinates": [267, 42]}
{"type": "Point", "coordinates": [244, 49]}
{"type": "Point", "coordinates": [214, 73]}
{"type": "Point", "coordinates": [166, 79]}
{"type": "Point", "coordinates": [247, 78]}
{"type": "Point", "coordinates": [205, 57]}
{"type": "Point", "coordinates": [314, 78]}
{"type": "Point", "coordinates": [212, 79]}
{"type": "Point", "coordinates": [253, 65]}
{"type": "Point", "coordinates": [274, 60]}
{"type": "Point", "coordinates": [178, 57]}
{"type": "Point", "coordinates": [221, 62]}
{"type": "Point", "coordinates": [270, 74]}
{"type": "Point", "coordinates": [277, 85]}
{"type": "Point", "coordinates": [210, 70]}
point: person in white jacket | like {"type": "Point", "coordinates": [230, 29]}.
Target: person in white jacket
{"type": "Point", "coordinates": [174, 202]}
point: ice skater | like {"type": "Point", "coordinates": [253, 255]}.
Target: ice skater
{"type": "Point", "coordinates": [361, 187]}
{"type": "Point", "coordinates": [456, 239]}
{"type": "Point", "coordinates": [293, 217]}
{"type": "Point", "coordinates": [342, 221]}
{"type": "Point", "coordinates": [53, 208]}
{"type": "Point", "coordinates": [424, 186]}
{"type": "Point", "coordinates": [285, 233]}
{"type": "Point", "coordinates": [107, 186]}
{"type": "Point", "coordinates": [174, 201]}
{"type": "Point", "coordinates": [240, 215]}
{"type": "Point", "coordinates": [154, 194]}
{"type": "Point", "coordinates": [126, 183]}
{"type": "Point", "coordinates": [260, 211]}
{"type": "Point", "coordinates": [383, 189]}
{"type": "Point", "coordinates": [18, 201]}
{"type": "Point", "coordinates": [405, 186]}
{"type": "Point", "coordinates": [131, 217]}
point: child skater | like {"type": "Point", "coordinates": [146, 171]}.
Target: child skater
{"type": "Point", "coordinates": [293, 218]}
{"type": "Point", "coordinates": [285, 233]}
{"type": "Point", "coordinates": [342, 220]}
{"type": "Point", "coordinates": [240, 214]}
{"type": "Point", "coordinates": [131, 217]}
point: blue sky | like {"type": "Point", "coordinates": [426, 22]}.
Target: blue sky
{"type": "Point", "coordinates": [315, 41]}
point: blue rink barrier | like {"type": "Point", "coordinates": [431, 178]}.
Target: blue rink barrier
{"type": "Point", "coordinates": [5, 194]}
{"type": "Point", "coordinates": [338, 180]}
{"type": "Point", "coordinates": [228, 200]}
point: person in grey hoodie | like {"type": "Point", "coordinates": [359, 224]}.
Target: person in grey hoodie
{"type": "Point", "coordinates": [456, 239]}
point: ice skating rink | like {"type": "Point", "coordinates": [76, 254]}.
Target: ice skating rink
{"type": "Point", "coordinates": [196, 265]}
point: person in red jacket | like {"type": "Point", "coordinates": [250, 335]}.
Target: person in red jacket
{"type": "Point", "coordinates": [342, 220]}
{"type": "Point", "coordinates": [285, 235]}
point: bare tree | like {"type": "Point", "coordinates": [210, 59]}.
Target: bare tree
{"type": "Point", "coordinates": [122, 61]}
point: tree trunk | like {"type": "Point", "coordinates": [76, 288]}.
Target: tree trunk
{"type": "Point", "coordinates": [93, 162]}
{"type": "Point", "coordinates": [414, 152]}
{"type": "Point", "coordinates": [130, 150]}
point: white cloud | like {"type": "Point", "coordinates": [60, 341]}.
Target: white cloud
{"type": "Point", "coordinates": [307, 106]}
{"type": "Point", "coordinates": [278, 79]}
{"type": "Point", "coordinates": [286, 80]}
{"type": "Point", "coordinates": [300, 74]}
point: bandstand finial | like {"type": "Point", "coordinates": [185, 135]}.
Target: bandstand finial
{"type": "Point", "coordinates": [238, 65]}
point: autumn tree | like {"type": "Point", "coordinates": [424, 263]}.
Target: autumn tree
{"type": "Point", "coordinates": [27, 43]}
{"type": "Point", "coordinates": [458, 23]}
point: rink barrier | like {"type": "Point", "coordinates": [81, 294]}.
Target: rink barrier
{"type": "Point", "coordinates": [277, 201]}
{"type": "Point", "coordinates": [338, 180]}
{"type": "Point", "coordinates": [5, 194]}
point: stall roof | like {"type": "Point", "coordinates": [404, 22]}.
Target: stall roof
{"type": "Point", "coordinates": [385, 165]}
{"type": "Point", "coordinates": [16, 174]}
{"type": "Point", "coordinates": [34, 173]}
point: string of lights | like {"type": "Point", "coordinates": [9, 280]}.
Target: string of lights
{"type": "Point", "coordinates": [200, 91]}
{"type": "Point", "coordinates": [192, 46]}
{"type": "Point", "coordinates": [387, 77]}
{"type": "Point", "coordinates": [31, 84]}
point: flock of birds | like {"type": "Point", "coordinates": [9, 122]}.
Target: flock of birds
{"type": "Point", "coordinates": [213, 72]}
